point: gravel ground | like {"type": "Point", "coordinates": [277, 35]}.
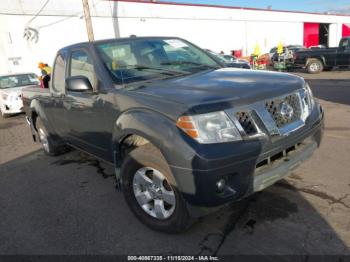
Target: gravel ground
{"type": "Point", "coordinates": [69, 205]}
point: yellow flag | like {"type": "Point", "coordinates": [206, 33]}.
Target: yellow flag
{"type": "Point", "coordinates": [280, 48]}
{"type": "Point", "coordinates": [256, 50]}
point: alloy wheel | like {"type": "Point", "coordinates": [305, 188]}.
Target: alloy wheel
{"type": "Point", "coordinates": [153, 193]}
{"type": "Point", "coordinates": [314, 67]}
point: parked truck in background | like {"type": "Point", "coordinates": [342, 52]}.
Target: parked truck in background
{"type": "Point", "coordinates": [317, 60]}
{"type": "Point", "coordinates": [186, 136]}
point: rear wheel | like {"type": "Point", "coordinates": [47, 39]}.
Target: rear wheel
{"type": "Point", "coordinates": [314, 66]}
{"type": "Point", "coordinates": [151, 192]}
{"type": "Point", "coordinates": [46, 140]}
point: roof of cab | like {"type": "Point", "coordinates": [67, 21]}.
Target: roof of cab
{"type": "Point", "coordinates": [87, 44]}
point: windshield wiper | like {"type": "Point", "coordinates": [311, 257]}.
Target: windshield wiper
{"type": "Point", "coordinates": [189, 63]}
{"type": "Point", "coordinates": [161, 70]}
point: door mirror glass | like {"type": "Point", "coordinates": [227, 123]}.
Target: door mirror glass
{"type": "Point", "coordinates": [78, 84]}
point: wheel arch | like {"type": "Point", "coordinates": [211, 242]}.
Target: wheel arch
{"type": "Point", "coordinates": [320, 58]}
{"type": "Point", "coordinates": [37, 111]}
{"type": "Point", "coordinates": [139, 127]}
{"type": "Point", "coordinates": [135, 128]}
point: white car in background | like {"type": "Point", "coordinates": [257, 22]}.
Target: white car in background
{"type": "Point", "coordinates": [11, 91]}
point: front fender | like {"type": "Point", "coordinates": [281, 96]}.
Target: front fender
{"type": "Point", "coordinates": [160, 130]}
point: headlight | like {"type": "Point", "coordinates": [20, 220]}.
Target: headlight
{"type": "Point", "coordinates": [209, 128]}
{"type": "Point", "coordinates": [309, 96]}
{"type": "Point", "coordinates": [4, 96]}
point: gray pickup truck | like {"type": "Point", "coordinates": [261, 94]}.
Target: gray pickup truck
{"type": "Point", "coordinates": [185, 134]}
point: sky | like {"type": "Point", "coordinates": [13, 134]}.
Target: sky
{"type": "Point", "coordinates": [321, 6]}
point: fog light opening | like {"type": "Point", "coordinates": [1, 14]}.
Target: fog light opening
{"type": "Point", "coordinates": [221, 185]}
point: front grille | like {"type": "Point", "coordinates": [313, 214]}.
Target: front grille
{"type": "Point", "coordinates": [246, 121]}
{"type": "Point", "coordinates": [274, 107]}
{"type": "Point", "coordinates": [275, 117]}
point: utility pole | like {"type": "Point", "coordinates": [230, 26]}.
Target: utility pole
{"type": "Point", "coordinates": [88, 22]}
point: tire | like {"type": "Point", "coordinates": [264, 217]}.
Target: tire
{"type": "Point", "coordinates": [46, 140]}
{"type": "Point", "coordinates": [314, 66]}
{"type": "Point", "coordinates": [141, 169]}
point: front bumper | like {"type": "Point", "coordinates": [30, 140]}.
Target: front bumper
{"type": "Point", "coordinates": [281, 168]}
{"type": "Point", "coordinates": [242, 165]}
{"type": "Point", "coordinates": [12, 107]}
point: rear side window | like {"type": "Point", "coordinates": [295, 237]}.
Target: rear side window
{"type": "Point", "coordinates": [344, 44]}
{"type": "Point", "coordinates": [81, 65]}
{"type": "Point", "coordinates": [58, 82]}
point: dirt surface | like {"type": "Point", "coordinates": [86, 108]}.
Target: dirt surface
{"type": "Point", "coordinates": [15, 138]}
{"type": "Point", "coordinates": [69, 204]}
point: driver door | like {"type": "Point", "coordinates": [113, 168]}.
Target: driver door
{"type": "Point", "coordinates": [85, 110]}
{"type": "Point", "coordinates": [54, 111]}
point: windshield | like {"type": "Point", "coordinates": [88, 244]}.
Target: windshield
{"type": "Point", "coordinates": [136, 60]}
{"type": "Point", "coordinates": [18, 80]}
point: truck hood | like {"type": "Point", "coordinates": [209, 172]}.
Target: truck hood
{"type": "Point", "coordinates": [239, 86]}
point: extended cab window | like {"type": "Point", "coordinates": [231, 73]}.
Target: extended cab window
{"type": "Point", "coordinates": [58, 82]}
{"type": "Point", "coordinates": [81, 65]}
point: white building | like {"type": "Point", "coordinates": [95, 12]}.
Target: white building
{"type": "Point", "coordinates": [61, 23]}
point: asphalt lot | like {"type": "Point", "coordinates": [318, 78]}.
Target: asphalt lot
{"type": "Point", "coordinates": [69, 204]}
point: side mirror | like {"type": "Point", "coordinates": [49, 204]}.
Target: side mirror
{"type": "Point", "coordinates": [78, 84]}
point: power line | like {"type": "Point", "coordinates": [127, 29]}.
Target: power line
{"type": "Point", "coordinates": [68, 16]}
{"type": "Point", "coordinates": [38, 13]}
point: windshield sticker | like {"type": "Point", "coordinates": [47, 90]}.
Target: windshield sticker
{"type": "Point", "coordinates": [118, 53]}
{"type": "Point", "coordinates": [176, 43]}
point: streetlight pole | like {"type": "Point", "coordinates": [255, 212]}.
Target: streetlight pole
{"type": "Point", "coordinates": [88, 22]}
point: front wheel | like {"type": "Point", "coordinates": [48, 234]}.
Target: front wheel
{"type": "Point", "coordinates": [151, 192]}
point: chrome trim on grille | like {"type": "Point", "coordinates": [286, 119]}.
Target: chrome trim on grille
{"type": "Point", "coordinates": [263, 120]}
{"type": "Point", "coordinates": [246, 121]}
{"type": "Point", "coordinates": [284, 110]}
{"type": "Point", "coordinates": [258, 131]}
